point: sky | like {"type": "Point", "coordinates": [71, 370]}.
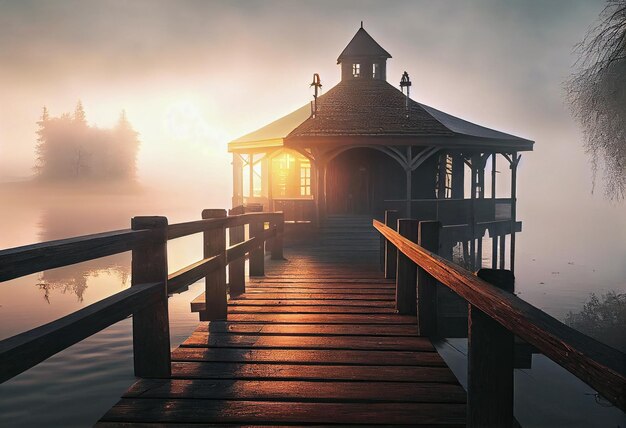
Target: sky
{"type": "Point", "coordinates": [193, 75]}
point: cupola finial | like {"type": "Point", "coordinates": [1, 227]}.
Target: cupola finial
{"type": "Point", "coordinates": [361, 24]}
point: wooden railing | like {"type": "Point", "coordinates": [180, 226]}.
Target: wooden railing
{"type": "Point", "coordinates": [146, 299]}
{"type": "Point", "coordinates": [495, 316]}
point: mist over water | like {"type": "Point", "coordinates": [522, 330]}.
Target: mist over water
{"type": "Point", "coordinates": [193, 75]}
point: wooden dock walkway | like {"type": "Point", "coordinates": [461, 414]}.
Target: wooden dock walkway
{"type": "Point", "coordinates": [311, 340]}
{"type": "Point", "coordinates": [316, 341]}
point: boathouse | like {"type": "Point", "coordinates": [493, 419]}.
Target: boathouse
{"type": "Point", "coordinates": [365, 146]}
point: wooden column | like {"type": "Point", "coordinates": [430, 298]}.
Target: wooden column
{"type": "Point", "coordinates": [391, 220]}
{"type": "Point", "coordinates": [406, 273]}
{"type": "Point", "coordinates": [151, 330]}
{"type": "Point", "coordinates": [493, 175]}
{"type": "Point", "coordinates": [236, 268]}
{"type": "Point", "coordinates": [494, 250]}
{"type": "Point", "coordinates": [257, 256]}
{"type": "Point", "coordinates": [409, 179]}
{"type": "Point", "coordinates": [237, 180]}
{"type": "Point", "coordinates": [502, 251]}
{"type": "Point", "coordinates": [428, 237]}
{"type": "Point", "coordinates": [277, 242]}
{"type": "Point", "coordinates": [515, 161]}
{"type": "Point", "coordinates": [320, 192]}
{"type": "Point", "coordinates": [458, 177]}
{"type": "Point", "coordinates": [490, 363]}
{"type": "Point", "coordinates": [474, 162]}
{"type": "Point", "coordinates": [215, 282]}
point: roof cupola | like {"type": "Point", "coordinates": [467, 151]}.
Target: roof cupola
{"type": "Point", "coordinates": [363, 58]}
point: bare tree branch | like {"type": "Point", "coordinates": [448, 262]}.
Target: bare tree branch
{"type": "Point", "coordinates": [597, 93]}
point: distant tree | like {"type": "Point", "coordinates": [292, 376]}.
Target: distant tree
{"type": "Point", "coordinates": [68, 148]}
{"type": "Point", "coordinates": [79, 113]}
{"type": "Point", "coordinates": [597, 93]}
{"type": "Point", "coordinates": [41, 140]}
{"type": "Point", "coordinates": [603, 318]}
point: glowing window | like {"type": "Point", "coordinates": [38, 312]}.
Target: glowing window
{"type": "Point", "coordinates": [376, 71]}
{"type": "Point", "coordinates": [291, 176]}
{"type": "Point", "coordinates": [356, 70]}
{"type": "Point", "coordinates": [305, 179]}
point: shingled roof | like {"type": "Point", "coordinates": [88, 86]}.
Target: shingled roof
{"type": "Point", "coordinates": [362, 45]}
{"type": "Point", "coordinates": [374, 108]}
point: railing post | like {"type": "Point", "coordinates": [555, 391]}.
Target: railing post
{"type": "Point", "coordinates": [236, 268]}
{"type": "Point", "coordinates": [428, 238]}
{"type": "Point", "coordinates": [151, 328]}
{"type": "Point", "coordinates": [490, 362]}
{"type": "Point", "coordinates": [406, 276]}
{"type": "Point", "coordinates": [277, 242]}
{"type": "Point", "coordinates": [215, 297]}
{"type": "Point", "coordinates": [391, 219]}
{"type": "Point", "coordinates": [257, 256]}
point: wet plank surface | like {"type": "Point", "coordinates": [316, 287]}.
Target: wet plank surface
{"type": "Point", "coordinates": [314, 342]}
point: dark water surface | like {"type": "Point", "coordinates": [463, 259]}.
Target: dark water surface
{"type": "Point", "coordinates": [78, 385]}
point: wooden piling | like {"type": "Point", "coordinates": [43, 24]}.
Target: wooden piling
{"type": "Point", "coordinates": [277, 241]}
{"type": "Point", "coordinates": [406, 272]}
{"type": "Point", "coordinates": [428, 238]}
{"type": "Point", "coordinates": [215, 282]}
{"type": "Point", "coordinates": [151, 332]}
{"type": "Point", "coordinates": [490, 362]}
{"type": "Point", "coordinates": [257, 256]}
{"type": "Point", "coordinates": [391, 253]}
{"type": "Point", "coordinates": [236, 268]}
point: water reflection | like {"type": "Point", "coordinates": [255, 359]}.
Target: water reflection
{"type": "Point", "coordinates": [61, 222]}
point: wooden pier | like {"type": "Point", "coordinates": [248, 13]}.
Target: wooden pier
{"type": "Point", "coordinates": [315, 336]}
{"type": "Point", "coordinates": [316, 341]}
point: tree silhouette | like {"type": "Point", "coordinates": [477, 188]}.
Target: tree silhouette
{"type": "Point", "coordinates": [68, 148]}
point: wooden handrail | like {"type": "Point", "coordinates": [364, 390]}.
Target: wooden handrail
{"type": "Point", "coordinates": [179, 230]}
{"type": "Point", "coordinates": [21, 261]}
{"type": "Point", "coordinates": [146, 300]}
{"type": "Point", "coordinates": [25, 350]}
{"type": "Point", "coordinates": [192, 273]}
{"type": "Point", "coordinates": [598, 365]}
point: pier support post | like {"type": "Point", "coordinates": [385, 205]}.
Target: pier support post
{"type": "Point", "coordinates": [236, 268]}
{"type": "Point", "coordinates": [257, 256]}
{"type": "Point", "coordinates": [277, 241]}
{"type": "Point", "coordinates": [490, 362]}
{"type": "Point", "coordinates": [428, 238]}
{"type": "Point", "coordinates": [406, 276]}
{"type": "Point", "coordinates": [391, 220]}
{"type": "Point", "coordinates": [215, 282]}
{"type": "Point", "coordinates": [151, 328]}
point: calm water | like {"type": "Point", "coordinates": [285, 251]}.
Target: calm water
{"type": "Point", "coordinates": [75, 387]}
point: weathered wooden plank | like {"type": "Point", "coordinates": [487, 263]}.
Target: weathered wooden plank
{"type": "Point", "coordinates": [321, 286]}
{"type": "Point", "coordinates": [264, 412]}
{"type": "Point", "coordinates": [329, 297]}
{"type": "Point", "coordinates": [20, 261]}
{"type": "Point", "coordinates": [318, 280]}
{"type": "Point", "coordinates": [288, 309]}
{"type": "Point", "coordinates": [385, 292]}
{"type": "Point", "coordinates": [214, 370]}
{"type": "Point", "coordinates": [599, 365]}
{"type": "Point", "coordinates": [308, 356]}
{"type": "Point", "coordinates": [323, 318]}
{"type": "Point", "coordinates": [225, 340]}
{"type": "Point", "coordinates": [311, 302]}
{"type": "Point", "coordinates": [25, 350]}
{"type": "Point", "coordinates": [312, 329]}
{"type": "Point", "coordinates": [301, 391]}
